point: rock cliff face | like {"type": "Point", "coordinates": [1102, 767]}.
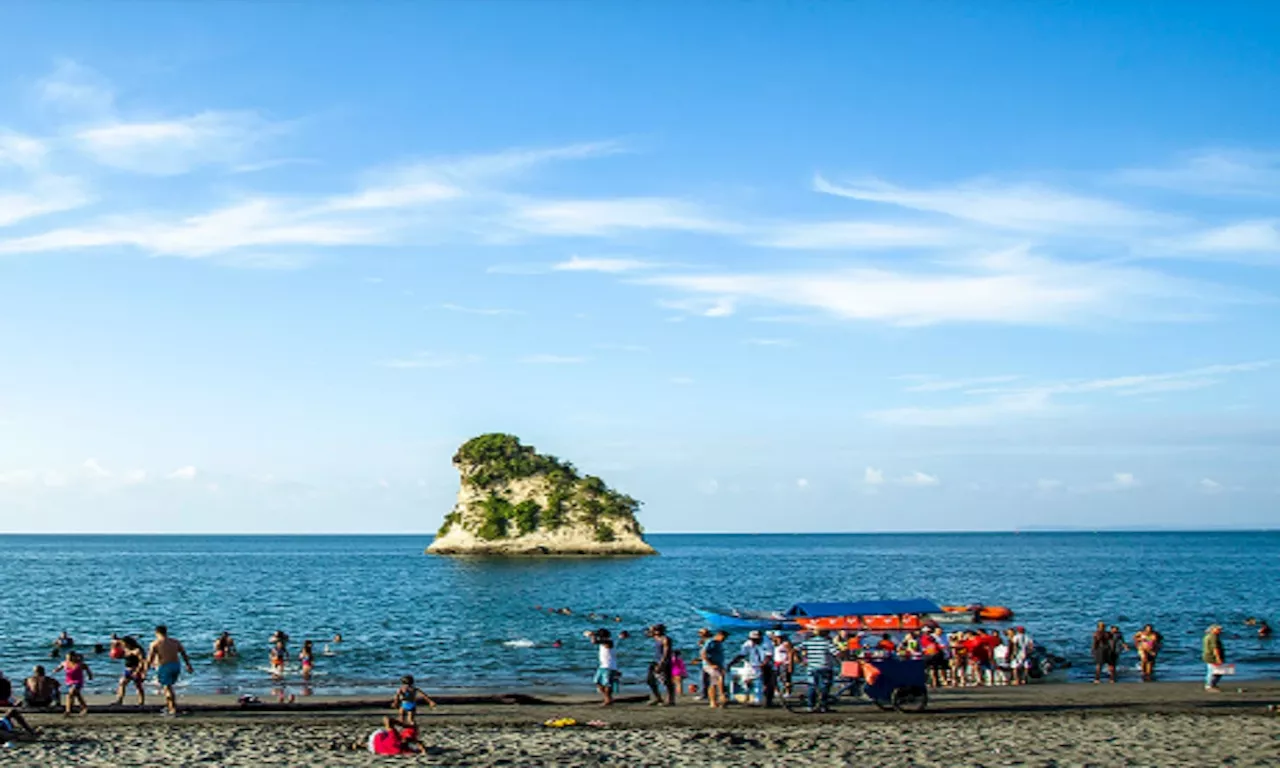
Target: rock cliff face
{"type": "Point", "coordinates": [515, 501]}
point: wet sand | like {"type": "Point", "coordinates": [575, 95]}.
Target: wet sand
{"type": "Point", "coordinates": [1161, 724]}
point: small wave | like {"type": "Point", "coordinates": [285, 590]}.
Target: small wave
{"type": "Point", "coordinates": [521, 643]}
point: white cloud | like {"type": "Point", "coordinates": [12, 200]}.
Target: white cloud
{"type": "Point", "coordinates": [485, 311]}
{"type": "Point", "coordinates": [1018, 207]}
{"type": "Point", "coordinates": [710, 487]}
{"type": "Point", "coordinates": [932, 384]}
{"type": "Point", "coordinates": [1039, 399]}
{"type": "Point", "coordinates": [598, 218]}
{"type": "Point", "coordinates": [1217, 172]}
{"type": "Point", "coordinates": [171, 147]}
{"type": "Point", "coordinates": [95, 470]}
{"type": "Point", "coordinates": [1210, 486]}
{"type": "Point", "coordinates": [552, 360]}
{"type": "Point", "coordinates": [183, 473]}
{"type": "Point", "coordinates": [1010, 287]}
{"type": "Point", "coordinates": [430, 360]}
{"type": "Point", "coordinates": [251, 224]}
{"type": "Point", "coordinates": [802, 483]}
{"type": "Point", "coordinates": [20, 150]}
{"type": "Point", "coordinates": [858, 235]}
{"type": "Point", "coordinates": [1121, 481]}
{"type": "Point", "coordinates": [41, 195]}
{"type": "Point", "coordinates": [76, 88]}
{"type": "Point", "coordinates": [918, 479]}
{"type": "Point", "coordinates": [1257, 241]}
{"type": "Point", "coordinates": [134, 477]}
{"type": "Point", "coordinates": [872, 476]}
{"type": "Point", "coordinates": [601, 264]}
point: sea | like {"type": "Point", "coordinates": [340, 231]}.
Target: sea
{"type": "Point", "coordinates": [471, 623]}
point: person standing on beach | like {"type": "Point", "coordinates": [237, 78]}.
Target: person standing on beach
{"type": "Point", "coordinates": [819, 661]}
{"type": "Point", "coordinates": [660, 667]}
{"type": "Point", "coordinates": [606, 677]}
{"type": "Point", "coordinates": [1021, 647]}
{"type": "Point", "coordinates": [1214, 655]}
{"type": "Point", "coordinates": [704, 637]}
{"type": "Point", "coordinates": [163, 657]}
{"type": "Point", "coordinates": [713, 669]}
{"type": "Point", "coordinates": [76, 672]}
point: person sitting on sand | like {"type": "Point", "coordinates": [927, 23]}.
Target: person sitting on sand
{"type": "Point", "coordinates": [41, 691]}
{"type": "Point", "coordinates": [407, 698]}
{"type": "Point", "coordinates": [135, 668]}
{"type": "Point", "coordinates": [9, 708]}
{"type": "Point", "coordinates": [163, 657]}
{"type": "Point", "coordinates": [607, 675]}
{"type": "Point", "coordinates": [76, 672]}
{"type": "Point", "coordinates": [224, 647]}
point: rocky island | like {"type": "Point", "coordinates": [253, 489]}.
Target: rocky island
{"type": "Point", "coordinates": [515, 501]}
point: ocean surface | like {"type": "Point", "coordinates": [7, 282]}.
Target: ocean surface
{"type": "Point", "coordinates": [471, 623]}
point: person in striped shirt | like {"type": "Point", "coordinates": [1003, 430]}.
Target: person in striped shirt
{"type": "Point", "coordinates": [820, 661]}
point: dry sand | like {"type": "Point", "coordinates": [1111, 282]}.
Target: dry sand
{"type": "Point", "coordinates": [1162, 724]}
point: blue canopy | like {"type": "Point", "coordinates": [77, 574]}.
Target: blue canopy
{"type": "Point", "coordinates": [864, 608]}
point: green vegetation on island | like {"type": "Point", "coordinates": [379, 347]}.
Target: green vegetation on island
{"type": "Point", "coordinates": [490, 465]}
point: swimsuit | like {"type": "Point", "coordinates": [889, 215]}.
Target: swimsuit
{"type": "Point", "coordinates": [168, 674]}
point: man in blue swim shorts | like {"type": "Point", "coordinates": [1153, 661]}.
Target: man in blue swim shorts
{"type": "Point", "coordinates": [163, 658]}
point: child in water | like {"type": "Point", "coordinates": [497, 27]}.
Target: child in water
{"type": "Point", "coordinates": [407, 698]}
{"type": "Point", "coordinates": [308, 658]}
{"type": "Point", "coordinates": [278, 657]}
{"type": "Point", "coordinates": [76, 672]}
{"type": "Point", "coordinates": [678, 672]}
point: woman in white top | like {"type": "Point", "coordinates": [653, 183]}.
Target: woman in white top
{"type": "Point", "coordinates": [783, 661]}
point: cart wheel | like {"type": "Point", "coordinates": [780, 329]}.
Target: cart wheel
{"type": "Point", "coordinates": [912, 698]}
{"type": "Point", "coordinates": [885, 705]}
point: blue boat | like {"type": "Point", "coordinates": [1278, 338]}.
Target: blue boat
{"type": "Point", "coordinates": [730, 619]}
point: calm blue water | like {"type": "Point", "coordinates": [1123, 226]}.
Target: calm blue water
{"type": "Point", "coordinates": [461, 623]}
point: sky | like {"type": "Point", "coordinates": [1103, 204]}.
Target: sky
{"type": "Point", "coordinates": [874, 266]}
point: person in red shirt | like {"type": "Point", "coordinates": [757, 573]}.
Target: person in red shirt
{"type": "Point", "coordinates": [387, 739]}
{"type": "Point", "coordinates": [886, 644]}
{"type": "Point", "coordinates": [979, 647]}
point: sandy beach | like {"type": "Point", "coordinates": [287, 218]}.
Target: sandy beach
{"type": "Point", "coordinates": [1162, 724]}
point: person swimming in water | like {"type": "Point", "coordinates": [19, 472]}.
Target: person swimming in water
{"type": "Point", "coordinates": [224, 647]}
{"type": "Point", "coordinates": [63, 641]}
{"type": "Point", "coordinates": [1264, 629]}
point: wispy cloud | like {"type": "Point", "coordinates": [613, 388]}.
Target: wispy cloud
{"type": "Point", "coordinates": [918, 479]}
{"type": "Point", "coordinates": [1008, 287]}
{"type": "Point", "coordinates": [872, 476]}
{"type": "Point", "coordinates": [598, 218]}
{"type": "Point", "coordinates": [485, 311]}
{"type": "Point", "coordinates": [1030, 207]}
{"type": "Point", "coordinates": [610, 265]}
{"type": "Point", "coordinates": [171, 147]}
{"type": "Point", "coordinates": [430, 360]}
{"type": "Point", "coordinates": [1121, 481]}
{"type": "Point", "coordinates": [859, 235]}
{"type": "Point", "coordinates": [76, 88]}
{"type": "Point", "coordinates": [552, 359]}
{"type": "Point", "coordinates": [1217, 172]}
{"type": "Point", "coordinates": [932, 384]}
{"type": "Point", "coordinates": [1256, 241]}
{"type": "Point", "coordinates": [997, 403]}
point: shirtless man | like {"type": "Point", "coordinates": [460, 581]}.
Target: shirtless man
{"type": "Point", "coordinates": [163, 658]}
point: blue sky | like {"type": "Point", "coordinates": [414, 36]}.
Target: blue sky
{"type": "Point", "coordinates": [767, 267]}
